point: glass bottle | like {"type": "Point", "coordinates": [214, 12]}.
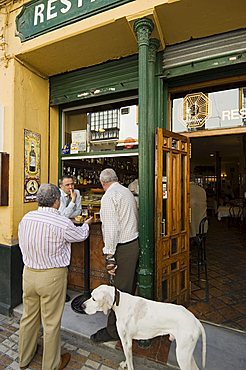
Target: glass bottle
{"type": "Point", "coordinates": [32, 159]}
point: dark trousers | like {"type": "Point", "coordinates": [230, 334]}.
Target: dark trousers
{"type": "Point", "coordinates": [126, 256]}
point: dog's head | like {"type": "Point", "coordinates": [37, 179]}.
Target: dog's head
{"type": "Point", "coordinates": [102, 299]}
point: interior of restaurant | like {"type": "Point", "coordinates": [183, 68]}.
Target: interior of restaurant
{"type": "Point", "coordinates": [218, 165]}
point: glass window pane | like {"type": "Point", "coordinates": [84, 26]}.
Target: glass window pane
{"type": "Point", "coordinates": [164, 195]}
{"type": "Point", "coordinates": [110, 126]}
{"type": "Point", "coordinates": [209, 110]}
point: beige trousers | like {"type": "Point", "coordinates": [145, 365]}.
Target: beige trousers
{"type": "Point", "coordinates": [44, 293]}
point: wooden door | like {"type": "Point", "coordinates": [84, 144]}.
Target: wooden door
{"type": "Point", "coordinates": [172, 174]}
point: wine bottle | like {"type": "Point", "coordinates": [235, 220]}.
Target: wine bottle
{"type": "Point", "coordinates": [32, 159]}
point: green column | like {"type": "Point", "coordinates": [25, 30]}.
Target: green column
{"type": "Point", "coordinates": [143, 28]}
{"type": "Point", "coordinates": [153, 47]}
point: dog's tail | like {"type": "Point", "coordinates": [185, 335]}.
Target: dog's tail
{"type": "Point", "coordinates": [203, 333]}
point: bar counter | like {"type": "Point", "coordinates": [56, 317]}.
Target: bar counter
{"type": "Point", "coordinates": [97, 273]}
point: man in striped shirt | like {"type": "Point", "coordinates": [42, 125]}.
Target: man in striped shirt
{"type": "Point", "coordinates": [45, 239]}
{"type": "Point", "coordinates": [119, 216]}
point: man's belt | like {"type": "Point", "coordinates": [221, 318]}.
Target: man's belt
{"type": "Point", "coordinates": [131, 241]}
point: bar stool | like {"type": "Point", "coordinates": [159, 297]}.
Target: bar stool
{"type": "Point", "coordinates": [202, 255]}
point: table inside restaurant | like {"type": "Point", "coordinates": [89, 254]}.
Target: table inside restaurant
{"type": "Point", "coordinates": [224, 211]}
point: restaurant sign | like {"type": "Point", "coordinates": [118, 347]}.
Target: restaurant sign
{"type": "Point", "coordinates": [195, 110]}
{"type": "Point", "coordinates": [41, 16]}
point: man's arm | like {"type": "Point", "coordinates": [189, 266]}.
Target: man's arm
{"type": "Point", "coordinates": [75, 234]}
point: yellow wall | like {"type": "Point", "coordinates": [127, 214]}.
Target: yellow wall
{"type": "Point", "coordinates": [7, 102]}
{"type": "Point", "coordinates": [26, 106]}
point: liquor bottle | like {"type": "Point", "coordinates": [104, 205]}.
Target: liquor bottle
{"type": "Point", "coordinates": [32, 159]}
{"type": "Point", "coordinates": [74, 176]}
{"type": "Point", "coordinates": [78, 177]}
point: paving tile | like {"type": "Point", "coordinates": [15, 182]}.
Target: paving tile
{"type": "Point", "coordinates": [92, 364]}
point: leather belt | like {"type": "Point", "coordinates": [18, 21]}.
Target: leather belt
{"type": "Point", "coordinates": [127, 242]}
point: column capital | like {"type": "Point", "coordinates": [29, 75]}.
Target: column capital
{"type": "Point", "coordinates": [154, 45]}
{"type": "Point", "coordinates": [143, 28]}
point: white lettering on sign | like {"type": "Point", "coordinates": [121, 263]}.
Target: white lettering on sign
{"type": "Point", "coordinates": [41, 14]}
{"type": "Point", "coordinates": [68, 5]}
{"type": "Point", "coordinates": [233, 114]}
{"type": "Point", "coordinates": [38, 13]}
{"type": "Point", "coordinates": [51, 7]}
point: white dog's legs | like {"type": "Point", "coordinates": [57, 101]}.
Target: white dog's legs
{"type": "Point", "coordinates": [184, 354]}
{"type": "Point", "coordinates": [127, 348]}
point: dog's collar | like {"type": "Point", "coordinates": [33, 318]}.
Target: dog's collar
{"type": "Point", "coordinates": [116, 297]}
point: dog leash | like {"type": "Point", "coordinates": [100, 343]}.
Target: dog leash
{"type": "Point", "coordinates": [116, 291]}
{"type": "Point", "coordinates": [111, 280]}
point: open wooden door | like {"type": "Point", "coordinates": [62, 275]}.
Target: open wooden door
{"type": "Point", "coordinates": [172, 175]}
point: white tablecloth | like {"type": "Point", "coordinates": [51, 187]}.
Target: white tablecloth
{"type": "Point", "coordinates": [223, 211]}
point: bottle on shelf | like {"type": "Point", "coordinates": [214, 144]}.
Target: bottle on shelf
{"type": "Point", "coordinates": [78, 177]}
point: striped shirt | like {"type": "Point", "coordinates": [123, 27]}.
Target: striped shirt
{"type": "Point", "coordinates": [45, 238]}
{"type": "Point", "coordinates": [119, 216]}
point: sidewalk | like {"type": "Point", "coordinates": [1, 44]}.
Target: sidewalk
{"type": "Point", "coordinates": [76, 330]}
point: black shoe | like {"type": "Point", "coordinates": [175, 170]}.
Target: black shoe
{"type": "Point", "coordinates": [102, 335]}
{"type": "Point", "coordinates": [68, 298]}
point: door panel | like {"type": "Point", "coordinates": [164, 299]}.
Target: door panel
{"type": "Point", "coordinates": [172, 217]}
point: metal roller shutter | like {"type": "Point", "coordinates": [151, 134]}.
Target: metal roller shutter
{"type": "Point", "coordinates": [107, 78]}
{"type": "Point", "coordinates": [206, 53]}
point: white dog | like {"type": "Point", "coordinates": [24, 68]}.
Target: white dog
{"type": "Point", "coordinates": [140, 318]}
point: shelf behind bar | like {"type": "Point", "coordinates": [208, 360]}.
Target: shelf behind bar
{"type": "Point", "coordinates": [114, 154]}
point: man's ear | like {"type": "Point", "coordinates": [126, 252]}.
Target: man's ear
{"type": "Point", "coordinates": [56, 204]}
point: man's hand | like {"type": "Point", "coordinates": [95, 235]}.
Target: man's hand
{"type": "Point", "coordinates": [73, 195]}
{"type": "Point", "coordinates": [89, 220]}
{"type": "Point", "coordinates": [111, 265]}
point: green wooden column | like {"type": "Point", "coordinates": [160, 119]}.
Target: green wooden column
{"type": "Point", "coordinates": [143, 28]}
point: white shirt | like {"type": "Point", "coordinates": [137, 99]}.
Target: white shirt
{"type": "Point", "coordinates": [119, 216]}
{"type": "Point", "coordinates": [69, 208]}
{"type": "Point", "coordinates": [45, 238]}
{"type": "Point", "coordinates": [198, 204]}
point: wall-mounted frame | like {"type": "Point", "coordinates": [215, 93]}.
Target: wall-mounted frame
{"type": "Point", "coordinates": [31, 165]}
{"type": "Point", "coordinates": [4, 179]}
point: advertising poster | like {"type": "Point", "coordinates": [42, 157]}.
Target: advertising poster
{"type": "Point", "coordinates": [31, 165]}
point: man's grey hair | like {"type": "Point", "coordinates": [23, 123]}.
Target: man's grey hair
{"type": "Point", "coordinates": [47, 195]}
{"type": "Point", "coordinates": [108, 175]}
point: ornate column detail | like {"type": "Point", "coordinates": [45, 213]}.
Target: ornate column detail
{"type": "Point", "coordinates": [143, 28]}
{"type": "Point", "coordinates": [154, 45]}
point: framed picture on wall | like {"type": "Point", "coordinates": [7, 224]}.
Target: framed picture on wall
{"type": "Point", "coordinates": [31, 165]}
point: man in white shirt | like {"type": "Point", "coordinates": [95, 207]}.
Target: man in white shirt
{"type": "Point", "coordinates": [134, 188]}
{"type": "Point", "coordinates": [119, 216]}
{"type": "Point", "coordinates": [198, 205]}
{"type": "Point", "coordinates": [70, 198]}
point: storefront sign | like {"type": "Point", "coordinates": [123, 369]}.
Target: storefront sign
{"type": "Point", "coordinates": [234, 114]}
{"type": "Point", "coordinates": [41, 16]}
{"type": "Point", "coordinates": [32, 165]}
{"type": "Point", "coordinates": [195, 110]}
